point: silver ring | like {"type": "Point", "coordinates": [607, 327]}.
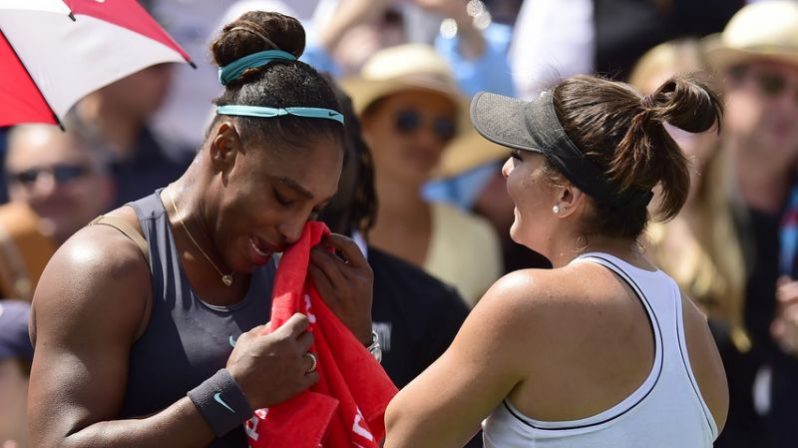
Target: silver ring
{"type": "Point", "coordinates": [313, 362]}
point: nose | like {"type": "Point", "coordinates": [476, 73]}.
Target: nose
{"type": "Point", "coordinates": [291, 228]}
{"type": "Point", "coordinates": [507, 167]}
{"type": "Point", "coordinates": [44, 186]}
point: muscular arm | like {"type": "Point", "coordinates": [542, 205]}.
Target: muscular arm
{"type": "Point", "coordinates": [88, 307]}
{"type": "Point", "coordinates": [444, 405]}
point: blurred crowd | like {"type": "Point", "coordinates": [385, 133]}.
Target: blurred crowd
{"type": "Point", "coordinates": [423, 194]}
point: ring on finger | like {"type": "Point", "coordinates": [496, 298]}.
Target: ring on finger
{"type": "Point", "coordinates": [314, 362]}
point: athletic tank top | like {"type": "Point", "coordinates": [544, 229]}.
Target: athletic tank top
{"type": "Point", "coordinates": [666, 411]}
{"type": "Point", "coordinates": [187, 340]}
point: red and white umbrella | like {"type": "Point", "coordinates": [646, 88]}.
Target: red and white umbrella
{"type": "Point", "coordinates": [54, 52]}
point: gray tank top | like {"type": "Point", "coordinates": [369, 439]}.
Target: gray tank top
{"type": "Point", "coordinates": [187, 340]}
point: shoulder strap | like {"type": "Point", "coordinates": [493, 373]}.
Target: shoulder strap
{"type": "Point", "coordinates": [129, 231]}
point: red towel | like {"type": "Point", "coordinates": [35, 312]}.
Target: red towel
{"type": "Point", "coordinates": [345, 409]}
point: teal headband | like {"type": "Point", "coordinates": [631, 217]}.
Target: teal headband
{"type": "Point", "coordinates": [271, 112]}
{"type": "Point", "coordinates": [233, 70]}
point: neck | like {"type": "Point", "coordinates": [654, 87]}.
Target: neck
{"type": "Point", "coordinates": [762, 185]}
{"type": "Point", "coordinates": [399, 203]}
{"type": "Point", "coordinates": [566, 249]}
{"type": "Point", "coordinates": [116, 125]}
{"type": "Point", "coordinates": [190, 216]}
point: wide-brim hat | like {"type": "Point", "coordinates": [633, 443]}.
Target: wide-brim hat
{"type": "Point", "coordinates": [762, 30]}
{"type": "Point", "coordinates": [402, 68]}
{"type": "Point", "coordinates": [469, 151]}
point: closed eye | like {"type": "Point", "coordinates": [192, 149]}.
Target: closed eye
{"type": "Point", "coordinates": [516, 154]}
{"type": "Point", "coordinates": [284, 201]}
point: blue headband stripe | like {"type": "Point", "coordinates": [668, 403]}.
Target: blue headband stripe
{"type": "Point", "coordinates": [233, 70]}
{"type": "Point", "coordinates": [271, 112]}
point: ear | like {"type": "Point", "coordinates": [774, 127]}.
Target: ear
{"type": "Point", "coordinates": [225, 146]}
{"type": "Point", "coordinates": [569, 199]}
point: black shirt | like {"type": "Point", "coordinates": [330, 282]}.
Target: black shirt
{"type": "Point", "coordinates": [415, 314]}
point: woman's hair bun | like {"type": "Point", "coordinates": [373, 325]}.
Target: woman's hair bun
{"type": "Point", "coordinates": [687, 102]}
{"type": "Point", "coordinates": [257, 31]}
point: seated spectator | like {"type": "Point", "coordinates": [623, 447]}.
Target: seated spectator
{"type": "Point", "coordinates": [56, 185]}
{"type": "Point", "coordinates": [410, 110]}
{"type": "Point", "coordinates": [116, 118]}
{"type": "Point", "coordinates": [16, 355]}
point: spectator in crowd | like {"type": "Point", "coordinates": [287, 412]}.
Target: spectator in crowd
{"type": "Point", "coordinates": [56, 184]}
{"type": "Point", "coordinates": [134, 318]}
{"type": "Point", "coordinates": [591, 352]}
{"type": "Point", "coordinates": [115, 119]}
{"type": "Point", "coordinates": [700, 248]}
{"type": "Point", "coordinates": [757, 53]}
{"type": "Point", "coordinates": [410, 110]}
{"type": "Point", "coordinates": [416, 315]}
{"type": "Point", "coordinates": [555, 39]}
{"type": "Point", "coordinates": [16, 354]}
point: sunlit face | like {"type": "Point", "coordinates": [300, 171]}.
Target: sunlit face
{"type": "Point", "coordinates": [762, 108]}
{"type": "Point", "coordinates": [533, 195]}
{"type": "Point", "coordinates": [407, 133]}
{"type": "Point", "coordinates": [268, 197]}
{"type": "Point", "coordinates": [56, 176]}
{"type": "Point", "coordinates": [13, 400]}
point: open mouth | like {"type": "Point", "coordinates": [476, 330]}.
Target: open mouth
{"type": "Point", "coordinates": [261, 247]}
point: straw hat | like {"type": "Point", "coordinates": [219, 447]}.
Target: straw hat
{"type": "Point", "coordinates": [467, 152]}
{"type": "Point", "coordinates": [766, 30]}
{"type": "Point", "coordinates": [405, 67]}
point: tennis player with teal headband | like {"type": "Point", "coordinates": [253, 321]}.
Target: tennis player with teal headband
{"type": "Point", "coordinates": [148, 329]}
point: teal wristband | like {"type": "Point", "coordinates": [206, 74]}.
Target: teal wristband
{"type": "Point", "coordinates": [221, 402]}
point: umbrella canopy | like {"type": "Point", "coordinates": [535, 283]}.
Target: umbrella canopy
{"type": "Point", "coordinates": [54, 52]}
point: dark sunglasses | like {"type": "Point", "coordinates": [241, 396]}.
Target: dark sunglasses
{"type": "Point", "coordinates": [770, 84]}
{"type": "Point", "coordinates": [411, 120]}
{"type": "Point", "coordinates": [62, 173]}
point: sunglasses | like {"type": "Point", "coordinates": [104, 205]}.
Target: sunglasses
{"type": "Point", "coordinates": [408, 121]}
{"type": "Point", "coordinates": [771, 84]}
{"type": "Point", "coordinates": [61, 173]}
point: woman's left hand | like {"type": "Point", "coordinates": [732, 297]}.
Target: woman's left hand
{"type": "Point", "coordinates": [344, 280]}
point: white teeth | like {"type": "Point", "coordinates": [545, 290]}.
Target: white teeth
{"type": "Point", "coordinates": [255, 246]}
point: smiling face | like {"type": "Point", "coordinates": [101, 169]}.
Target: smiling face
{"type": "Point", "coordinates": [533, 195]}
{"type": "Point", "coordinates": [762, 108]}
{"type": "Point", "coordinates": [269, 195]}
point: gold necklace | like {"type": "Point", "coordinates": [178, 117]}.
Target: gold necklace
{"type": "Point", "coordinates": [227, 279]}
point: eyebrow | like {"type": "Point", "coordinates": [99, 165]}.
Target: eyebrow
{"type": "Point", "coordinates": [294, 185]}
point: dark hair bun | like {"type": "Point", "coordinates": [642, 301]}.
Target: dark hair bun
{"type": "Point", "coordinates": [687, 102]}
{"type": "Point", "coordinates": [257, 31]}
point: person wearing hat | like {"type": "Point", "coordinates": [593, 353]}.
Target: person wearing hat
{"type": "Point", "coordinates": [16, 355]}
{"type": "Point", "coordinates": [757, 54]}
{"type": "Point", "coordinates": [411, 110]}
{"type": "Point", "coordinates": [604, 349]}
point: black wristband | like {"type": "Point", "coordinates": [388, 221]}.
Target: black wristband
{"type": "Point", "coordinates": [221, 402]}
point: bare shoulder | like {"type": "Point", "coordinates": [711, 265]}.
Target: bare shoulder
{"type": "Point", "coordinates": [99, 273]}
{"type": "Point", "coordinates": [705, 361]}
{"type": "Point", "coordinates": [525, 302]}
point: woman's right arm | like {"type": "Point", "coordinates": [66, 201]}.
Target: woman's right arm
{"type": "Point", "coordinates": [88, 309]}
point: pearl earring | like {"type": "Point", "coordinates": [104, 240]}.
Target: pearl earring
{"type": "Point", "coordinates": [556, 209]}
